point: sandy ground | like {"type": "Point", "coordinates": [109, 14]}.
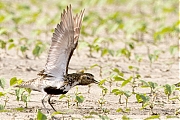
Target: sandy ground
{"type": "Point", "coordinates": [27, 69]}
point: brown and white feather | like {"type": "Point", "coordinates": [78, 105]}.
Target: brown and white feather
{"type": "Point", "coordinates": [64, 42]}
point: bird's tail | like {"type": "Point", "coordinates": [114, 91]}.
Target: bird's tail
{"type": "Point", "coordinates": [32, 84]}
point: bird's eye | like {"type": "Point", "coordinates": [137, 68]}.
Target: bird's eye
{"type": "Point", "coordinates": [88, 77]}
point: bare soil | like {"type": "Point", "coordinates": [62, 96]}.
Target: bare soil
{"type": "Point", "coordinates": [26, 69]}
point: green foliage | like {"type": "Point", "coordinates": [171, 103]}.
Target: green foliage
{"type": "Point", "coordinates": [14, 81]}
{"type": "Point", "coordinates": [39, 48]}
{"type": "Point", "coordinates": [1, 107]}
{"type": "Point", "coordinates": [2, 83]}
{"type": "Point", "coordinates": [173, 49]}
{"type": "Point", "coordinates": [104, 117]}
{"type": "Point", "coordinates": [153, 117]}
{"type": "Point", "coordinates": [23, 94]}
{"type": "Point", "coordinates": [169, 89]}
{"type": "Point", "coordinates": [68, 98]}
{"type": "Point", "coordinates": [125, 118]}
{"type": "Point", "coordinates": [142, 98]}
{"type": "Point", "coordinates": [79, 98]}
{"type": "Point", "coordinates": [152, 85]}
{"type": "Point", "coordinates": [41, 116]}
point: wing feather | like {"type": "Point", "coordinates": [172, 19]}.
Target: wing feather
{"type": "Point", "coordinates": [64, 42]}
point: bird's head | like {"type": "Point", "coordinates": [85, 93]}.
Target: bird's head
{"type": "Point", "coordinates": [86, 79]}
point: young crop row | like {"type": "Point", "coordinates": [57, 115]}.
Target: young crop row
{"type": "Point", "coordinates": [147, 100]}
{"type": "Point", "coordinates": [136, 28]}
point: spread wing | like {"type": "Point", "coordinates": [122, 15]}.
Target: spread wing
{"type": "Point", "coordinates": [64, 42]}
{"type": "Point", "coordinates": [77, 27]}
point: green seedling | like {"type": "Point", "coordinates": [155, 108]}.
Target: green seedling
{"type": "Point", "coordinates": [23, 49]}
{"type": "Point", "coordinates": [7, 45]}
{"type": "Point", "coordinates": [104, 89]}
{"type": "Point", "coordinates": [68, 98]}
{"type": "Point", "coordinates": [99, 44]}
{"type": "Point", "coordinates": [41, 116]}
{"type": "Point", "coordinates": [3, 94]}
{"type": "Point", "coordinates": [14, 81]}
{"type": "Point", "coordinates": [119, 93]}
{"type": "Point", "coordinates": [126, 110]}
{"type": "Point", "coordinates": [164, 31]}
{"type": "Point", "coordinates": [104, 117]}
{"type": "Point", "coordinates": [124, 52]}
{"type": "Point", "coordinates": [2, 83]}
{"type": "Point", "coordinates": [100, 68]}
{"type": "Point", "coordinates": [117, 75]}
{"type": "Point", "coordinates": [143, 98]}
{"type": "Point", "coordinates": [153, 56]}
{"type": "Point", "coordinates": [168, 90]}
{"type": "Point", "coordinates": [152, 85]}
{"type": "Point", "coordinates": [153, 117]}
{"type": "Point", "coordinates": [38, 49]}
{"type": "Point", "coordinates": [134, 79]}
{"type": "Point", "coordinates": [153, 94]}
{"type": "Point", "coordinates": [127, 94]}
{"type": "Point", "coordinates": [138, 58]}
{"type": "Point", "coordinates": [124, 117]}
{"type": "Point", "coordinates": [173, 50]}
{"type": "Point", "coordinates": [79, 98]}
{"type": "Point", "coordinates": [102, 102]}
{"type": "Point", "coordinates": [23, 94]}
{"type": "Point", "coordinates": [110, 80]}
{"type": "Point", "coordinates": [3, 44]}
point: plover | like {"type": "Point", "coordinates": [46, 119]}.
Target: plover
{"type": "Point", "coordinates": [54, 78]}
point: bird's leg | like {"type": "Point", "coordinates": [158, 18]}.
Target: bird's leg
{"type": "Point", "coordinates": [43, 101]}
{"type": "Point", "coordinates": [49, 98]}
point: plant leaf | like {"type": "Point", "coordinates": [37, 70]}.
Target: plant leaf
{"type": "Point", "coordinates": [41, 116]}
{"type": "Point", "coordinates": [2, 83]}
{"type": "Point", "coordinates": [13, 81]}
{"type": "Point", "coordinates": [80, 99]}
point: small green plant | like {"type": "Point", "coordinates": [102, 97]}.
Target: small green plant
{"type": "Point", "coordinates": [100, 68]}
{"type": "Point", "coordinates": [151, 100]}
{"type": "Point", "coordinates": [119, 93]}
{"type": "Point", "coordinates": [138, 58]}
{"type": "Point", "coordinates": [168, 90]}
{"type": "Point", "coordinates": [134, 79]}
{"type": "Point", "coordinates": [153, 56]}
{"type": "Point", "coordinates": [22, 94]}
{"type": "Point", "coordinates": [124, 52]}
{"type": "Point", "coordinates": [79, 98]}
{"type": "Point", "coordinates": [39, 48]}
{"type": "Point", "coordinates": [41, 116]}
{"type": "Point", "coordinates": [127, 94]}
{"type": "Point", "coordinates": [152, 85]}
{"type": "Point", "coordinates": [3, 94]}
{"type": "Point", "coordinates": [68, 98]}
{"type": "Point", "coordinates": [102, 100]}
{"type": "Point", "coordinates": [143, 98]}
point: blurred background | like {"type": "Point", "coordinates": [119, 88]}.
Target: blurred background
{"type": "Point", "coordinates": [110, 27]}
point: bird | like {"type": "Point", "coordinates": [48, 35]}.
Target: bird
{"type": "Point", "coordinates": [54, 78]}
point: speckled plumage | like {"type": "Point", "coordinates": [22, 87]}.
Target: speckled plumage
{"type": "Point", "coordinates": [54, 78]}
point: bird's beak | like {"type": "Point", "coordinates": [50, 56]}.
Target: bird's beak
{"type": "Point", "coordinates": [95, 81]}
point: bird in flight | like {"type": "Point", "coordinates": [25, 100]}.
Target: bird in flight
{"type": "Point", "coordinates": [54, 78]}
